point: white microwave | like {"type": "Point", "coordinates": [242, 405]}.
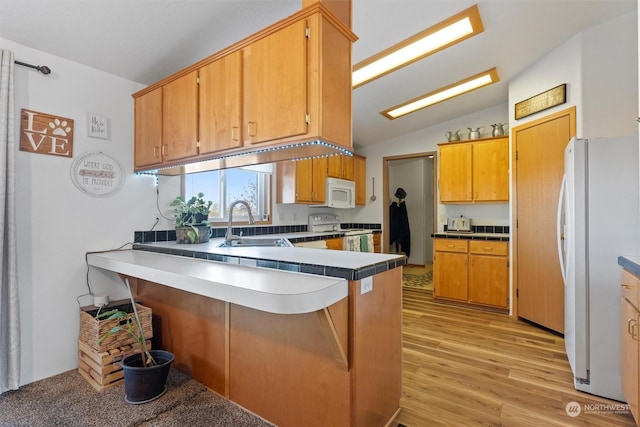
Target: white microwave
{"type": "Point", "coordinates": [341, 194]}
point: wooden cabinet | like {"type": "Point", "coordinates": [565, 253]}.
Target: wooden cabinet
{"type": "Point", "coordinates": [472, 271]}
{"type": "Point", "coordinates": [450, 269]}
{"type": "Point", "coordinates": [335, 244]}
{"type": "Point", "coordinates": [275, 85]}
{"type": "Point", "coordinates": [377, 245]}
{"type": "Point", "coordinates": [220, 115]}
{"type": "Point", "coordinates": [489, 273]}
{"type": "Point", "coordinates": [630, 335]}
{"type": "Point", "coordinates": [476, 171]}
{"type": "Point", "coordinates": [148, 129]}
{"type": "Point", "coordinates": [360, 178]}
{"type": "Point", "coordinates": [288, 83]}
{"type": "Point", "coordinates": [180, 118]}
{"type": "Point", "coordinates": [341, 167]}
{"type": "Point", "coordinates": [302, 181]}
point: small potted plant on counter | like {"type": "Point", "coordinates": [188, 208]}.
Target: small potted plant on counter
{"type": "Point", "coordinates": [191, 219]}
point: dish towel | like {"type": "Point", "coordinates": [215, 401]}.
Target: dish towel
{"type": "Point", "coordinates": [366, 242]}
{"type": "Point", "coordinates": [351, 243]}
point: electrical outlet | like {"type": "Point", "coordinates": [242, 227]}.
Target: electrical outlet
{"type": "Point", "coordinates": [281, 216]}
{"type": "Point", "coordinates": [366, 285]}
{"type": "Point", "coordinates": [294, 217]}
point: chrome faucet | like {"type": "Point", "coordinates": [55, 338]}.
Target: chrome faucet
{"type": "Point", "coordinates": [229, 237]}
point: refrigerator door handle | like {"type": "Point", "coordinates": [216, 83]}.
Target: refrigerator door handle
{"type": "Point", "coordinates": [560, 231]}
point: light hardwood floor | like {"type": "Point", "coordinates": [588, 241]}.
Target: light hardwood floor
{"type": "Point", "coordinates": [468, 367]}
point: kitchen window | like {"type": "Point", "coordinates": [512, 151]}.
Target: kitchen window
{"type": "Point", "coordinates": [223, 187]}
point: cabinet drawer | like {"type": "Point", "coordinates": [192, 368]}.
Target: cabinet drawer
{"type": "Point", "coordinates": [488, 247]}
{"type": "Point", "coordinates": [630, 285]}
{"type": "Point", "coordinates": [451, 245]}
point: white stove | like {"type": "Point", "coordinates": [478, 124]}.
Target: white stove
{"type": "Point", "coordinates": [327, 222]}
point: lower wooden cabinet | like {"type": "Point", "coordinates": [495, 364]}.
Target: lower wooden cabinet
{"type": "Point", "coordinates": [334, 243]}
{"type": "Point", "coordinates": [630, 335]}
{"type": "Point", "coordinates": [472, 271]}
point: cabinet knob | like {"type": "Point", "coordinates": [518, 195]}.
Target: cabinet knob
{"type": "Point", "coordinates": [234, 133]}
{"type": "Point", "coordinates": [251, 129]}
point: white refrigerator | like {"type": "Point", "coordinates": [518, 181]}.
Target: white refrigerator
{"type": "Point", "coordinates": [598, 220]}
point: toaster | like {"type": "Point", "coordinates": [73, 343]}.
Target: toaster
{"type": "Point", "coordinates": [460, 224]}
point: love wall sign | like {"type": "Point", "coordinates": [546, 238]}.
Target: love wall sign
{"type": "Point", "coordinates": [46, 134]}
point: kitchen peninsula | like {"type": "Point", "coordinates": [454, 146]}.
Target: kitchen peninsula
{"type": "Point", "coordinates": [298, 336]}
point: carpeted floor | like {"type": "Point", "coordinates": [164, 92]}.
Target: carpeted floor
{"type": "Point", "coordinates": [68, 400]}
{"type": "Point", "coordinates": [418, 277]}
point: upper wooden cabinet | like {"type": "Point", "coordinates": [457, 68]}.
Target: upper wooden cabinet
{"type": "Point", "coordinates": [474, 171]}
{"type": "Point", "coordinates": [302, 181]}
{"type": "Point", "coordinates": [289, 83]}
{"type": "Point", "coordinates": [275, 85]}
{"type": "Point", "coordinates": [341, 167]}
{"type": "Point", "coordinates": [220, 108]}
{"type": "Point", "coordinates": [360, 177]}
{"type": "Point", "coordinates": [148, 129]}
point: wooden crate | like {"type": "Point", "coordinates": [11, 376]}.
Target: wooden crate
{"type": "Point", "coordinates": [92, 329]}
{"type": "Point", "coordinates": [104, 369]}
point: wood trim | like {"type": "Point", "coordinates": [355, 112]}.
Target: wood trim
{"type": "Point", "coordinates": [227, 340]}
{"type": "Point", "coordinates": [302, 14]}
{"type": "Point", "coordinates": [571, 112]}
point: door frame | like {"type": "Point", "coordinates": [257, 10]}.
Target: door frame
{"type": "Point", "coordinates": [386, 201]}
{"type": "Point", "coordinates": [571, 112]}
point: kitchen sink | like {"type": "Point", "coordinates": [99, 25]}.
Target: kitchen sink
{"type": "Point", "coordinates": [244, 242]}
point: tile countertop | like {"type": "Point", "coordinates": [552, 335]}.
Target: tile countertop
{"type": "Point", "coordinates": [323, 262]}
{"type": "Point", "coordinates": [631, 264]}
{"type": "Point", "coordinates": [503, 237]}
{"type": "Point", "coordinates": [273, 291]}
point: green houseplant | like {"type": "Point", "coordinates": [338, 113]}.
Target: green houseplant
{"type": "Point", "coordinates": [145, 373]}
{"type": "Point", "coordinates": [191, 217]}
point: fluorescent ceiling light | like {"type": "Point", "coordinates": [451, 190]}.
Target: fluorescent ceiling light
{"type": "Point", "coordinates": [440, 36]}
{"type": "Point", "coordinates": [474, 82]}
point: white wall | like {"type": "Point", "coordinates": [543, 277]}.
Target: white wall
{"type": "Point", "coordinates": [57, 223]}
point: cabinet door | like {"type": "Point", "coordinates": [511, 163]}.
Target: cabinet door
{"type": "Point", "coordinates": [489, 280]}
{"type": "Point", "coordinates": [180, 117]}
{"type": "Point", "coordinates": [320, 165]}
{"type": "Point", "coordinates": [629, 348]}
{"type": "Point", "coordinates": [341, 167]}
{"type": "Point", "coordinates": [450, 275]}
{"type": "Point", "coordinates": [275, 85]}
{"type": "Point", "coordinates": [220, 104]}
{"type": "Point", "coordinates": [360, 178]}
{"type": "Point", "coordinates": [455, 173]}
{"type": "Point", "coordinates": [310, 180]}
{"type": "Point", "coordinates": [148, 129]}
{"type": "Point", "coordinates": [335, 244]}
{"type": "Point", "coordinates": [491, 170]}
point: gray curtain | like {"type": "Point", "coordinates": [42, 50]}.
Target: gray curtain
{"type": "Point", "coordinates": [9, 311]}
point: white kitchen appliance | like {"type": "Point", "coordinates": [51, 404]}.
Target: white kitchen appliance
{"type": "Point", "coordinates": [598, 216]}
{"type": "Point", "coordinates": [340, 194]}
{"type": "Point", "coordinates": [460, 224]}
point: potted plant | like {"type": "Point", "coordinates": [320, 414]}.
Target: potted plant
{"type": "Point", "coordinates": [191, 219]}
{"type": "Point", "coordinates": [145, 373]}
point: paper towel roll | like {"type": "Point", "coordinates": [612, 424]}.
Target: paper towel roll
{"type": "Point", "coordinates": [100, 300]}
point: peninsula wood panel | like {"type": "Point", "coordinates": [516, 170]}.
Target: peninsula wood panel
{"type": "Point", "coordinates": [377, 349]}
{"type": "Point", "coordinates": [190, 326]}
{"type": "Point", "coordinates": [283, 369]}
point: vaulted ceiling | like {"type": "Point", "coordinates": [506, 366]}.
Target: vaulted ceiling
{"type": "Point", "coordinates": [147, 40]}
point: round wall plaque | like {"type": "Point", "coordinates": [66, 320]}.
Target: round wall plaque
{"type": "Point", "coordinates": [97, 174]}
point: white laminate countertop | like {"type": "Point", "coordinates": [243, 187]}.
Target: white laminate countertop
{"type": "Point", "coordinates": [269, 290]}
{"type": "Point", "coordinates": [297, 255]}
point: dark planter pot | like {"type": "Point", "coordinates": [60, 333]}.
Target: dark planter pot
{"type": "Point", "coordinates": [199, 218]}
{"type": "Point", "coordinates": [187, 235]}
{"type": "Point", "coordinates": [143, 385]}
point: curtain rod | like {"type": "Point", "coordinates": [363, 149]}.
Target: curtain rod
{"type": "Point", "coordinates": [42, 68]}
